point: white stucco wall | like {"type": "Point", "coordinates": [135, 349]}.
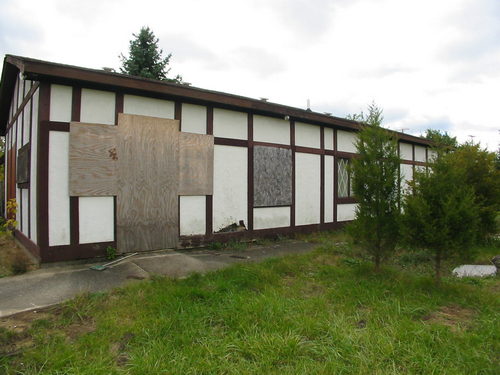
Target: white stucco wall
{"type": "Point", "coordinates": [25, 216]}
{"type": "Point", "coordinates": [307, 135]}
{"type": "Point", "coordinates": [96, 219]}
{"type": "Point", "coordinates": [230, 186]}
{"type": "Point", "coordinates": [405, 151]}
{"type": "Point", "coordinates": [270, 129]}
{"type": "Point", "coordinates": [59, 225]}
{"type": "Point", "coordinates": [329, 188]}
{"type": "Point", "coordinates": [328, 138]}
{"type": "Point", "coordinates": [346, 212]}
{"type": "Point", "coordinates": [431, 155]}
{"type": "Point", "coordinates": [230, 124]}
{"type": "Point", "coordinates": [406, 171]}
{"type": "Point", "coordinates": [192, 218]}
{"type": "Point", "coordinates": [33, 169]}
{"type": "Point", "coordinates": [307, 188]}
{"type": "Point", "coordinates": [60, 103]}
{"type": "Point", "coordinates": [98, 107]}
{"type": "Point", "coordinates": [194, 118]}
{"type": "Point", "coordinates": [141, 105]}
{"type": "Point", "coordinates": [346, 141]}
{"type": "Point", "coordinates": [420, 153]}
{"type": "Point", "coordinates": [271, 217]}
{"type": "Point", "coordinates": [27, 120]}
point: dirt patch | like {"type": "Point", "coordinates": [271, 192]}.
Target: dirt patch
{"type": "Point", "coordinates": [13, 259]}
{"type": "Point", "coordinates": [455, 317]}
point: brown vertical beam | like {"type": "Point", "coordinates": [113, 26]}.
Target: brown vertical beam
{"type": "Point", "coordinates": [178, 113]}
{"type": "Point", "coordinates": [335, 177]}
{"type": "Point", "coordinates": [250, 173]}
{"type": "Point", "coordinates": [43, 168]}
{"type": "Point", "coordinates": [31, 182]}
{"type": "Point", "coordinates": [118, 105]}
{"type": "Point", "coordinates": [74, 208]}
{"type": "Point", "coordinates": [209, 198]}
{"type": "Point", "coordinates": [292, 144]}
{"type": "Point", "coordinates": [322, 176]}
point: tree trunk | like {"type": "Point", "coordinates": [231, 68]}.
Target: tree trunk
{"type": "Point", "coordinates": [438, 267]}
{"type": "Point", "coordinates": [377, 262]}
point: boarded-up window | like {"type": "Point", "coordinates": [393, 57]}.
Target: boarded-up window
{"type": "Point", "coordinates": [23, 165]}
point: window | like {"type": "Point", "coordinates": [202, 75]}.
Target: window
{"type": "Point", "coordinates": [344, 179]}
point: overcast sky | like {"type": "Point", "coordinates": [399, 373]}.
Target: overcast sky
{"type": "Point", "coordinates": [427, 63]}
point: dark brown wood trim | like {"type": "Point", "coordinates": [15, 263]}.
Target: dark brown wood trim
{"type": "Point", "coordinates": [209, 215]}
{"type": "Point", "coordinates": [178, 113]}
{"type": "Point", "coordinates": [43, 168]}
{"type": "Point", "coordinates": [25, 185]}
{"type": "Point", "coordinates": [427, 154]}
{"type": "Point", "coordinates": [335, 176]}
{"type": "Point", "coordinates": [210, 120]}
{"type": "Point", "coordinates": [31, 165]}
{"type": "Point", "coordinates": [76, 103]}
{"type": "Point", "coordinates": [309, 150]}
{"type": "Point", "coordinates": [115, 205]}
{"type": "Point", "coordinates": [322, 176]}
{"type": "Point", "coordinates": [230, 142]}
{"type": "Point", "coordinates": [74, 220]}
{"type": "Point", "coordinates": [55, 126]}
{"type": "Point", "coordinates": [23, 104]}
{"type": "Point", "coordinates": [346, 200]}
{"type": "Point", "coordinates": [292, 144]}
{"type": "Point", "coordinates": [27, 243]}
{"type": "Point", "coordinates": [250, 177]}
{"type": "Point", "coordinates": [268, 144]}
{"type": "Point", "coordinates": [413, 152]}
{"type": "Point", "coordinates": [118, 105]}
{"type": "Point", "coordinates": [410, 162]}
{"type": "Point", "coordinates": [73, 252]}
{"type": "Point", "coordinates": [345, 155]}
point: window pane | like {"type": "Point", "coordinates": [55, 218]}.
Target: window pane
{"type": "Point", "coordinates": [343, 177]}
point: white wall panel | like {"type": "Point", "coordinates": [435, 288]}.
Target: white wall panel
{"type": "Point", "coordinates": [59, 225]}
{"type": "Point", "coordinates": [26, 121]}
{"type": "Point", "coordinates": [194, 118]}
{"type": "Point", "coordinates": [230, 186]}
{"type": "Point", "coordinates": [141, 105]}
{"type": "Point", "coordinates": [271, 217]}
{"type": "Point", "coordinates": [432, 155]}
{"type": "Point", "coordinates": [33, 168]}
{"type": "Point", "coordinates": [329, 188]}
{"type": "Point", "coordinates": [307, 135]}
{"type": "Point", "coordinates": [307, 188]}
{"type": "Point", "coordinates": [97, 107]}
{"type": "Point", "coordinates": [346, 212]}
{"type": "Point", "coordinates": [230, 124]}
{"type": "Point", "coordinates": [405, 151]}
{"type": "Point", "coordinates": [406, 171]}
{"type": "Point", "coordinates": [270, 129]}
{"type": "Point", "coordinates": [96, 219]}
{"type": "Point", "coordinates": [25, 212]}
{"type": "Point", "coordinates": [60, 103]}
{"type": "Point", "coordinates": [192, 210]}
{"type": "Point", "coordinates": [328, 139]}
{"type": "Point", "coordinates": [346, 141]}
{"type": "Point", "coordinates": [420, 153]}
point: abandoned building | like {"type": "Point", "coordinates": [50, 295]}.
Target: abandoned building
{"type": "Point", "coordinates": [96, 159]}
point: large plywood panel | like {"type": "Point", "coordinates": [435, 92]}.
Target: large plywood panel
{"type": "Point", "coordinates": [192, 216]}
{"type": "Point", "coordinates": [271, 217]}
{"type": "Point", "coordinates": [97, 107]}
{"type": "Point", "coordinates": [270, 129]}
{"type": "Point", "coordinates": [196, 164]}
{"type": "Point", "coordinates": [92, 160]}
{"type": "Point", "coordinates": [272, 176]}
{"type": "Point", "coordinates": [230, 186]}
{"type": "Point", "coordinates": [96, 219]}
{"type": "Point", "coordinates": [59, 225]}
{"type": "Point", "coordinates": [147, 207]}
{"type": "Point", "coordinates": [307, 188]}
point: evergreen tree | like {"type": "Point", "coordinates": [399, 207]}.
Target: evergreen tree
{"type": "Point", "coordinates": [376, 187]}
{"type": "Point", "coordinates": [441, 215]}
{"type": "Point", "coordinates": [442, 141]}
{"type": "Point", "coordinates": [145, 58]}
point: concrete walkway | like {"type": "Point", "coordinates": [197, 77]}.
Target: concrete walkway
{"type": "Point", "coordinates": [54, 284]}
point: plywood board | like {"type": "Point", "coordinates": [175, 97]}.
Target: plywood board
{"type": "Point", "coordinates": [92, 160]}
{"type": "Point", "coordinates": [147, 202]}
{"type": "Point", "coordinates": [272, 176]}
{"type": "Point", "coordinates": [23, 164]}
{"type": "Point", "coordinates": [196, 164]}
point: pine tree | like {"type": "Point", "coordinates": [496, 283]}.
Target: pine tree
{"type": "Point", "coordinates": [376, 188]}
{"type": "Point", "coordinates": [145, 58]}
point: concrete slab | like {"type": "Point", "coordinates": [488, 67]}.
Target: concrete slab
{"type": "Point", "coordinates": [472, 270]}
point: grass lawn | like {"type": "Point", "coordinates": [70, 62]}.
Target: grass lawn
{"type": "Point", "coordinates": [326, 312]}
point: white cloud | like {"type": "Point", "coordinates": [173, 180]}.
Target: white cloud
{"type": "Point", "coordinates": [427, 62]}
